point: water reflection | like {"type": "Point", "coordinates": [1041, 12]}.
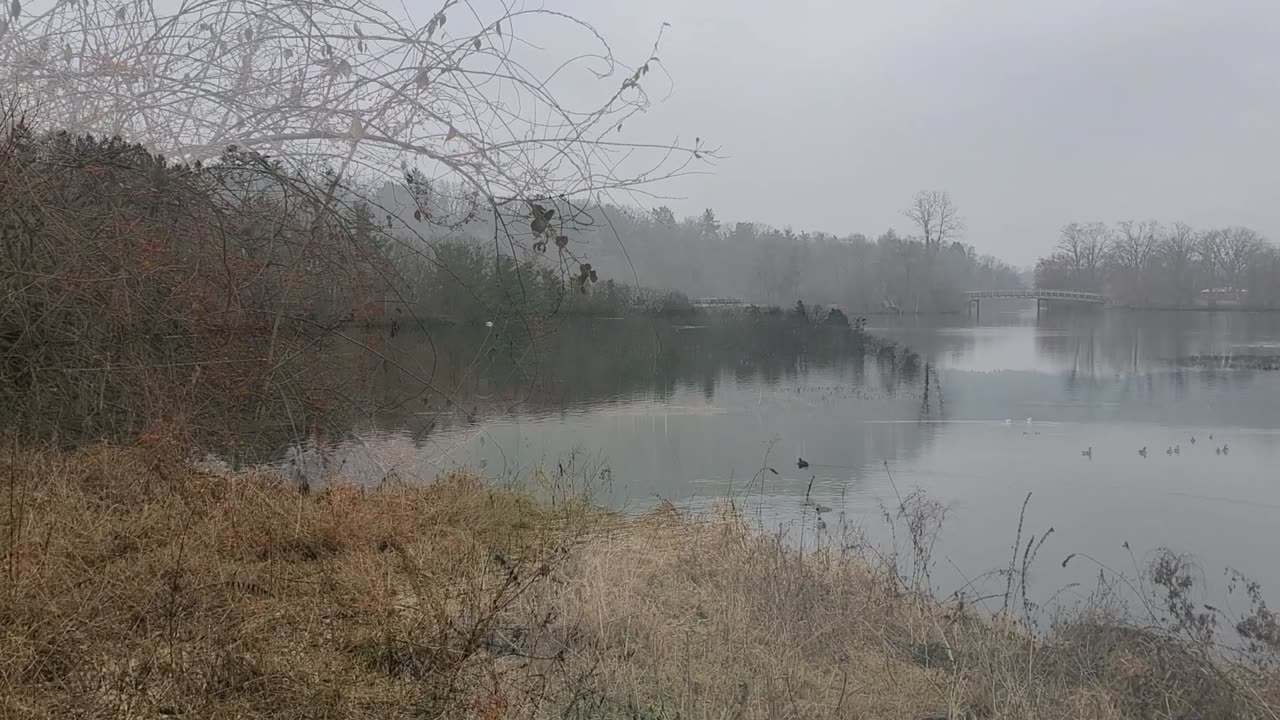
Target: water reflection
{"type": "Point", "coordinates": [1102, 367]}
{"type": "Point", "coordinates": [1089, 343]}
{"type": "Point", "coordinates": [592, 364]}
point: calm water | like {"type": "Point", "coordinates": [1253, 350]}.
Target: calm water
{"type": "Point", "coordinates": [983, 416]}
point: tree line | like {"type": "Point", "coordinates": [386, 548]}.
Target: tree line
{"type": "Point", "coordinates": [926, 269]}
{"type": "Point", "coordinates": [1150, 264]}
{"type": "Point", "coordinates": [187, 217]}
{"type": "Point", "coordinates": [611, 259]}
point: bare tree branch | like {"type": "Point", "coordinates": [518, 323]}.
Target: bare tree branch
{"type": "Point", "coordinates": [461, 96]}
{"type": "Point", "coordinates": [937, 217]}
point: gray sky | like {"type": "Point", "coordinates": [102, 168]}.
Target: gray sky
{"type": "Point", "coordinates": [1032, 114]}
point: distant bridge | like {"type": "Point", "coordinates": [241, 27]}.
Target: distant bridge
{"type": "Point", "coordinates": [976, 297]}
{"type": "Point", "coordinates": [709, 302]}
{"type": "Point", "coordinates": [1037, 294]}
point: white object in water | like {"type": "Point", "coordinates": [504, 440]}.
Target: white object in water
{"type": "Point", "coordinates": [1028, 421]}
{"type": "Point", "coordinates": [1007, 421]}
{"type": "Point", "coordinates": [488, 323]}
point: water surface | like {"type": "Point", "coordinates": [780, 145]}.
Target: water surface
{"type": "Point", "coordinates": [981, 416]}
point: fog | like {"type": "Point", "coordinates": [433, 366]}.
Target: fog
{"type": "Point", "coordinates": [832, 115]}
{"type": "Point", "coordinates": [591, 358]}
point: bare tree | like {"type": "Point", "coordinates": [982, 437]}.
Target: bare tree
{"type": "Point", "coordinates": [1208, 248]}
{"type": "Point", "coordinates": [1148, 264]}
{"type": "Point", "coordinates": [937, 217]}
{"type": "Point", "coordinates": [1083, 248]}
{"type": "Point", "coordinates": [1071, 247]}
{"type": "Point", "coordinates": [1134, 249]}
{"type": "Point", "coordinates": [1098, 241]}
{"type": "Point", "coordinates": [1238, 246]}
{"type": "Point", "coordinates": [1178, 250]}
{"type": "Point", "coordinates": [1263, 281]}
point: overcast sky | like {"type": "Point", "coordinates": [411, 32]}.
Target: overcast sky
{"type": "Point", "coordinates": [1032, 114]}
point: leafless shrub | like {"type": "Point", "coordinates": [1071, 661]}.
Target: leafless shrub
{"type": "Point", "coordinates": [454, 100]}
{"type": "Point", "coordinates": [455, 110]}
{"type": "Point", "coordinates": [148, 301]}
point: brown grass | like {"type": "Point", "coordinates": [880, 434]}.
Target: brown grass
{"type": "Point", "coordinates": [137, 587]}
{"type": "Point", "coordinates": [714, 620]}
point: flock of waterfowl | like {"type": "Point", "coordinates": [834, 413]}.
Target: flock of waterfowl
{"type": "Point", "coordinates": [1224, 449]}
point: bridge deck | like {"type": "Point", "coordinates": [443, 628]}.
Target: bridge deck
{"type": "Point", "coordinates": [1037, 294]}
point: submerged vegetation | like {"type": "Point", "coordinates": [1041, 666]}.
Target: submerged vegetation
{"type": "Point", "coordinates": [137, 586]}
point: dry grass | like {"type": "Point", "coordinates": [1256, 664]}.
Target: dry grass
{"type": "Point", "coordinates": [138, 587]}
{"type": "Point", "coordinates": [714, 620]}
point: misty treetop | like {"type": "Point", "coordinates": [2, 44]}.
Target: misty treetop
{"type": "Point", "coordinates": [755, 262]}
{"type": "Point", "coordinates": [649, 261]}
{"type": "Point", "coordinates": [1149, 264]}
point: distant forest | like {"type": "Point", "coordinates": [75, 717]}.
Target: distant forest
{"type": "Point", "coordinates": [760, 263]}
{"type": "Point", "coordinates": [1149, 264]}
{"type": "Point", "coordinates": [652, 261]}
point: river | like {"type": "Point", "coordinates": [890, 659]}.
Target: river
{"type": "Point", "coordinates": [978, 417]}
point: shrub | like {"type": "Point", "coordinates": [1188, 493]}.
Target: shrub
{"type": "Point", "coordinates": [145, 300]}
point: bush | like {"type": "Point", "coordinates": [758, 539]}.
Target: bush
{"type": "Point", "coordinates": [145, 300]}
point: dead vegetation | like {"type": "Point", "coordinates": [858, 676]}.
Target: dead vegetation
{"type": "Point", "coordinates": [714, 620]}
{"type": "Point", "coordinates": [136, 586]}
{"type": "Point", "coordinates": [147, 301]}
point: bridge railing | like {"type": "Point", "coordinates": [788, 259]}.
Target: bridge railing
{"type": "Point", "coordinates": [1037, 294]}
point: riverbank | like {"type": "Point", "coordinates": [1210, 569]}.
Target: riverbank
{"type": "Point", "coordinates": [138, 586]}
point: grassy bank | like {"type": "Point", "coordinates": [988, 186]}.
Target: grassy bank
{"type": "Point", "coordinates": [140, 587]}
